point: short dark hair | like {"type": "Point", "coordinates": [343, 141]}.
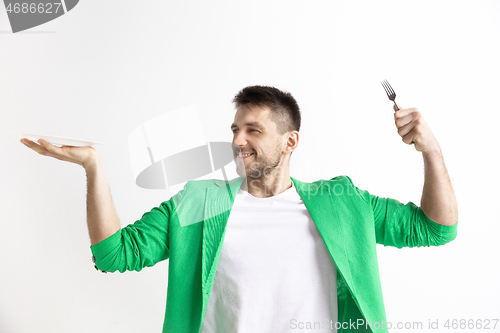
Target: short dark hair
{"type": "Point", "coordinates": [285, 111]}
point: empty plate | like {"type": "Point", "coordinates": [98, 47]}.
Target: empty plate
{"type": "Point", "coordinates": [57, 140]}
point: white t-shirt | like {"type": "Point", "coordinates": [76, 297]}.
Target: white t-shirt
{"type": "Point", "coordinates": [274, 273]}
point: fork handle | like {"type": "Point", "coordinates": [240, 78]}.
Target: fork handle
{"type": "Point", "coordinates": [397, 107]}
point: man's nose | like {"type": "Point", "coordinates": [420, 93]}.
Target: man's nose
{"type": "Point", "coordinates": [239, 139]}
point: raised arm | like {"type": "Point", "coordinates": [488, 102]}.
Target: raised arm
{"type": "Point", "coordinates": [438, 198]}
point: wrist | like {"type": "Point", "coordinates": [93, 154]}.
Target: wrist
{"type": "Point", "coordinates": [91, 162]}
{"type": "Point", "coordinates": [433, 152]}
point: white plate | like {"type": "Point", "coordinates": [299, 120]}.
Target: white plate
{"type": "Point", "coordinates": [57, 140]}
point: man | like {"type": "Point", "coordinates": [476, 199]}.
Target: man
{"type": "Point", "coordinates": [270, 253]}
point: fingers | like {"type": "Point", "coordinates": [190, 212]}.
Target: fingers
{"type": "Point", "coordinates": [43, 148]}
{"type": "Point", "coordinates": [407, 121]}
{"type": "Point", "coordinates": [32, 145]}
{"type": "Point", "coordinates": [77, 155]}
{"type": "Point", "coordinates": [405, 128]}
{"type": "Point", "coordinates": [404, 112]}
{"type": "Point", "coordinates": [406, 117]}
{"type": "Point", "coordinates": [400, 122]}
{"type": "Point", "coordinates": [411, 137]}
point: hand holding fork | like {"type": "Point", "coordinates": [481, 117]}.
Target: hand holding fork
{"type": "Point", "coordinates": [412, 126]}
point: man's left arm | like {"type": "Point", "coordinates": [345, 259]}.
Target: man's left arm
{"type": "Point", "coordinates": [438, 198]}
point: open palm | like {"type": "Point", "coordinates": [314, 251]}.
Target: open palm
{"type": "Point", "coordinates": [78, 155]}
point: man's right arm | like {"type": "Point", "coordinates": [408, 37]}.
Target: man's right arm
{"type": "Point", "coordinates": [101, 215]}
{"type": "Point", "coordinates": [102, 220]}
{"type": "Point", "coordinates": [133, 247]}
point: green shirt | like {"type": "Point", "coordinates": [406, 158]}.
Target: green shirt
{"type": "Point", "coordinates": [189, 230]}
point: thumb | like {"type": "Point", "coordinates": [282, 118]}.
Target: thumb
{"type": "Point", "coordinates": [399, 106]}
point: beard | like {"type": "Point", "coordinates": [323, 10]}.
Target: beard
{"type": "Point", "coordinates": [261, 166]}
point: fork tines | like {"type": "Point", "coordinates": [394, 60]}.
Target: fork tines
{"type": "Point", "coordinates": [390, 92]}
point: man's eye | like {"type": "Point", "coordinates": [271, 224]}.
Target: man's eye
{"type": "Point", "coordinates": [251, 130]}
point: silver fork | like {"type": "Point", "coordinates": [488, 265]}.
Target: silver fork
{"type": "Point", "coordinates": [390, 92]}
{"type": "Point", "coordinates": [392, 95]}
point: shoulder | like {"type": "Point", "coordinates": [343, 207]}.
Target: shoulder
{"type": "Point", "coordinates": [191, 195]}
{"type": "Point", "coordinates": [203, 184]}
{"type": "Point", "coordinates": [338, 184]}
{"type": "Point", "coordinates": [341, 180]}
{"type": "Point", "coordinates": [213, 183]}
{"type": "Point", "coordinates": [344, 186]}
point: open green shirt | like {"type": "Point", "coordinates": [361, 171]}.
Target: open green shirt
{"type": "Point", "coordinates": [189, 230]}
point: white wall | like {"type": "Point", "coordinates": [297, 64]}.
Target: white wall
{"type": "Point", "coordinates": [106, 67]}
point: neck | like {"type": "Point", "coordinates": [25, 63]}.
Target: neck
{"type": "Point", "coordinates": [267, 186]}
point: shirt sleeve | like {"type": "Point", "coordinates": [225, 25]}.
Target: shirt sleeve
{"type": "Point", "coordinates": [404, 225]}
{"type": "Point", "coordinates": [138, 245]}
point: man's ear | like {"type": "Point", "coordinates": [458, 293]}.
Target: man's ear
{"type": "Point", "coordinates": [292, 141]}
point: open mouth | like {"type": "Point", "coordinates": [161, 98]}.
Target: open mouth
{"type": "Point", "coordinates": [243, 156]}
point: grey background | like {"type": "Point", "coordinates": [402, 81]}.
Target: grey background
{"type": "Point", "coordinates": [104, 68]}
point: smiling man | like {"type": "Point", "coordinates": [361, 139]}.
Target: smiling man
{"type": "Point", "coordinates": [283, 237]}
{"type": "Point", "coordinates": [264, 138]}
{"type": "Point", "coordinates": [271, 253]}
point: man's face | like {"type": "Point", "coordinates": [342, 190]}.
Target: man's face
{"type": "Point", "coordinates": [256, 134]}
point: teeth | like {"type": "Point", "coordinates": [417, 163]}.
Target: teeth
{"type": "Point", "coordinates": [243, 155]}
